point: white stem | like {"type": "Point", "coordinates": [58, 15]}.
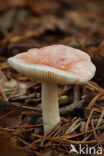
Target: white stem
{"type": "Point", "coordinates": [50, 106]}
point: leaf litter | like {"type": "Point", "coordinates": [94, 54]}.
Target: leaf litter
{"type": "Point", "coordinates": [28, 24]}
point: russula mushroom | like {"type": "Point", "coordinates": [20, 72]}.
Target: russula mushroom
{"type": "Point", "coordinates": [52, 65]}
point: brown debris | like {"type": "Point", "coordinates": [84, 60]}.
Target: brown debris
{"type": "Point", "coordinates": [28, 24]}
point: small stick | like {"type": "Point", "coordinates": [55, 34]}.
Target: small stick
{"type": "Point", "coordinates": [94, 132]}
{"type": "Point", "coordinates": [94, 100]}
{"type": "Point", "coordinates": [88, 121]}
{"type": "Point", "coordinates": [100, 119]}
{"type": "Point", "coordinates": [74, 126]}
{"type": "Point", "coordinates": [99, 122]}
{"type": "Point", "coordinates": [76, 104]}
{"type": "Point", "coordinates": [3, 94]}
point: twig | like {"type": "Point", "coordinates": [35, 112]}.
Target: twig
{"type": "Point", "coordinates": [94, 100]}
{"type": "Point", "coordinates": [80, 134]}
{"type": "Point", "coordinates": [3, 94]}
{"type": "Point", "coordinates": [88, 121]}
{"type": "Point", "coordinates": [75, 105]}
{"type": "Point", "coordinates": [94, 132]}
{"type": "Point", "coordinates": [74, 126]}
{"type": "Point", "coordinates": [100, 119]}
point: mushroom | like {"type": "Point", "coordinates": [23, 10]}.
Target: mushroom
{"type": "Point", "coordinates": [52, 65]}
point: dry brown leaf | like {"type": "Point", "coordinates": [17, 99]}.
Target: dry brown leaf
{"type": "Point", "coordinates": [9, 149]}
{"type": "Point", "coordinates": [10, 118]}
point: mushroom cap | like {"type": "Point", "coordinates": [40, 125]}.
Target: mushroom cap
{"type": "Point", "coordinates": [56, 63]}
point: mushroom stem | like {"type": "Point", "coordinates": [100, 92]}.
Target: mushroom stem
{"type": "Point", "coordinates": [50, 106]}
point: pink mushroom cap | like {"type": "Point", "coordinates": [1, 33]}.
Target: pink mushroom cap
{"type": "Point", "coordinates": [56, 63]}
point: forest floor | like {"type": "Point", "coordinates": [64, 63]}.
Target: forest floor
{"type": "Point", "coordinates": [35, 23]}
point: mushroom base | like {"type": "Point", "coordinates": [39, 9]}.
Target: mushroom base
{"type": "Point", "coordinates": [50, 106]}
